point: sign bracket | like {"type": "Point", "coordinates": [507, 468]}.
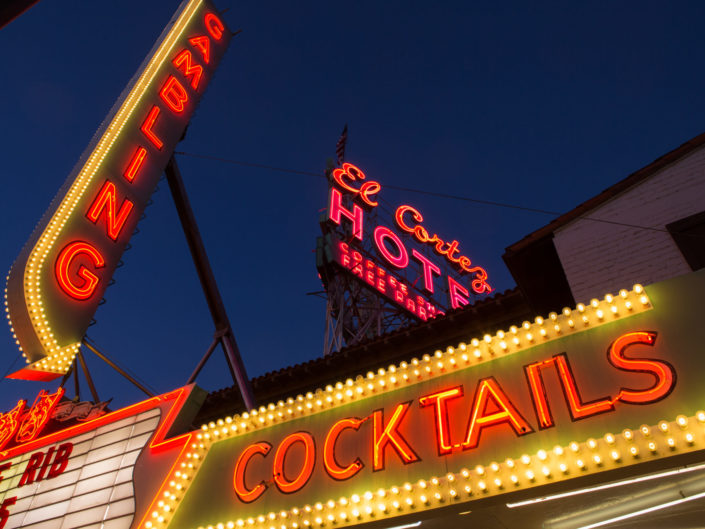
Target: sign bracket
{"type": "Point", "coordinates": [224, 333]}
{"type": "Point", "coordinates": [112, 364]}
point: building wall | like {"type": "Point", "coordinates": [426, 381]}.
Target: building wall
{"type": "Point", "coordinates": [599, 257]}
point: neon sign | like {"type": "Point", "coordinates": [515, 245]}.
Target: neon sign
{"type": "Point", "coordinates": [608, 385]}
{"type": "Point", "coordinates": [106, 463]}
{"type": "Point", "coordinates": [56, 283]}
{"type": "Point", "coordinates": [394, 252]}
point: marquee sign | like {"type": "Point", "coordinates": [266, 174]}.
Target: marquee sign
{"type": "Point", "coordinates": [106, 471]}
{"type": "Point", "coordinates": [605, 386]}
{"type": "Point", "coordinates": [352, 188]}
{"type": "Point", "coordinates": [56, 283]}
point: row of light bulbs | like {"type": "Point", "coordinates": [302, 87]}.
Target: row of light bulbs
{"type": "Point", "coordinates": [543, 330]}
{"type": "Point", "coordinates": [59, 358]}
{"type": "Point", "coordinates": [684, 434]}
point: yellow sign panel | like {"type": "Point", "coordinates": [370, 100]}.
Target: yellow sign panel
{"type": "Point", "coordinates": [608, 385]}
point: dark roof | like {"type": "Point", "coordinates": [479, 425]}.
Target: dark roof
{"type": "Point", "coordinates": [487, 316]}
{"type": "Point", "coordinates": [610, 192]}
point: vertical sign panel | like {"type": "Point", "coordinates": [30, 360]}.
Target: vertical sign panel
{"type": "Point", "coordinates": [56, 283]}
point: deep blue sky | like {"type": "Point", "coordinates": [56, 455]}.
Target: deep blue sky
{"type": "Point", "coordinates": [536, 105]}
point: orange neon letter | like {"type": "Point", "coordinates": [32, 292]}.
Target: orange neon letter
{"type": "Point", "coordinates": [538, 392]}
{"type": "Point", "coordinates": [283, 483]}
{"type": "Point", "coordinates": [148, 124]}
{"type": "Point", "coordinates": [191, 71]}
{"type": "Point", "coordinates": [135, 164]}
{"type": "Point", "coordinates": [489, 391]}
{"type": "Point", "coordinates": [214, 26]}
{"type": "Point", "coordinates": [399, 217]}
{"type": "Point", "coordinates": [578, 409]}
{"type": "Point", "coordinates": [663, 372]}
{"type": "Point", "coordinates": [329, 461]}
{"type": "Point", "coordinates": [71, 252]}
{"type": "Point", "coordinates": [174, 94]}
{"type": "Point", "coordinates": [390, 434]}
{"type": "Point", "coordinates": [439, 401]}
{"type": "Point", "coordinates": [107, 201]}
{"type": "Point", "coordinates": [353, 173]}
{"type": "Point", "coordinates": [202, 44]}
{"type": "Point", "coordinates": [246, 494]}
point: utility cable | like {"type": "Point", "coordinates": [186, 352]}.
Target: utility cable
{"type": "Point", "coordinates": [428, 193]}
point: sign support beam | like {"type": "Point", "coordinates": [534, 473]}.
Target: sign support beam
{"type": "Point", "coordinates": [208, 283]}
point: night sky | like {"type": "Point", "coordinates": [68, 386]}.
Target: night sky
{"type": "Point", "coordinates": [541, 106]}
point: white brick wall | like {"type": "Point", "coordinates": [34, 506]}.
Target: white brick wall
{"type": "Point", "coordinates": [600, 258]}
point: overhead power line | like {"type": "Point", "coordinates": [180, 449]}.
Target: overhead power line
{"type": "Point", "coordinates": [478, 201]}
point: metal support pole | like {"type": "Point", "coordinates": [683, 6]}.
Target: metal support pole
{"type": "Point", "coordinates": [116, 368]}
{"type": "Point", "coordinates": [203, 361]}
{"type": "Point", "coordinates": [84, 367]}
{"type": "Point", "coordinates": [208, 283]}
{"type": "Point", "coordinates": [76, 385]}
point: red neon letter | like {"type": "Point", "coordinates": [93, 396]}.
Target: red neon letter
{"type": "Point", "coordinates": [90, 280]}
{"type": "Point", "coordinates": [147, 125]}
{"type": "Point", "coordinates": [9, 422]}
{"type": "Point", "coordinates": [135, 164]}
{"type": "Point", "coordinates": [380, 234]}
{"type": "Point", "coordinates": [458, 293]}
{"type": "Point", "coordinates": [202, 44]}
{"type": "Point", "coordinates": [389, 434]}
{"type": "Point", "coordinates": [60, 460]}
{"type": "Point", "coordinates": [578, 409]}
{"type": "Point", "coordinates": [488, 391]}
{"type": "Point", "coordinates": [663, 371]}
{"type": "Point", "coordinates": [38, 415]}
{"type": "Point", "coordinates": [429, 267]}
{"type": "Point", "coordinates": [174, 94]}
{"type": "Point", "coordinates": [439, 401]}
{"type": "Point", "coordinates": [214, 26]}
{"type": "Point", "coordinates": [107, 201]}
{"type": "Point", "coordinates": [292, 485]}
{"type": "Point", "coordinates": [336, 209]}
{"type": "Point", "coordinates": [332, 467]}
{"type": "Point", "coordinates": [246, 494]}
{"type": "Point", "coordinates": [191, 71]}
